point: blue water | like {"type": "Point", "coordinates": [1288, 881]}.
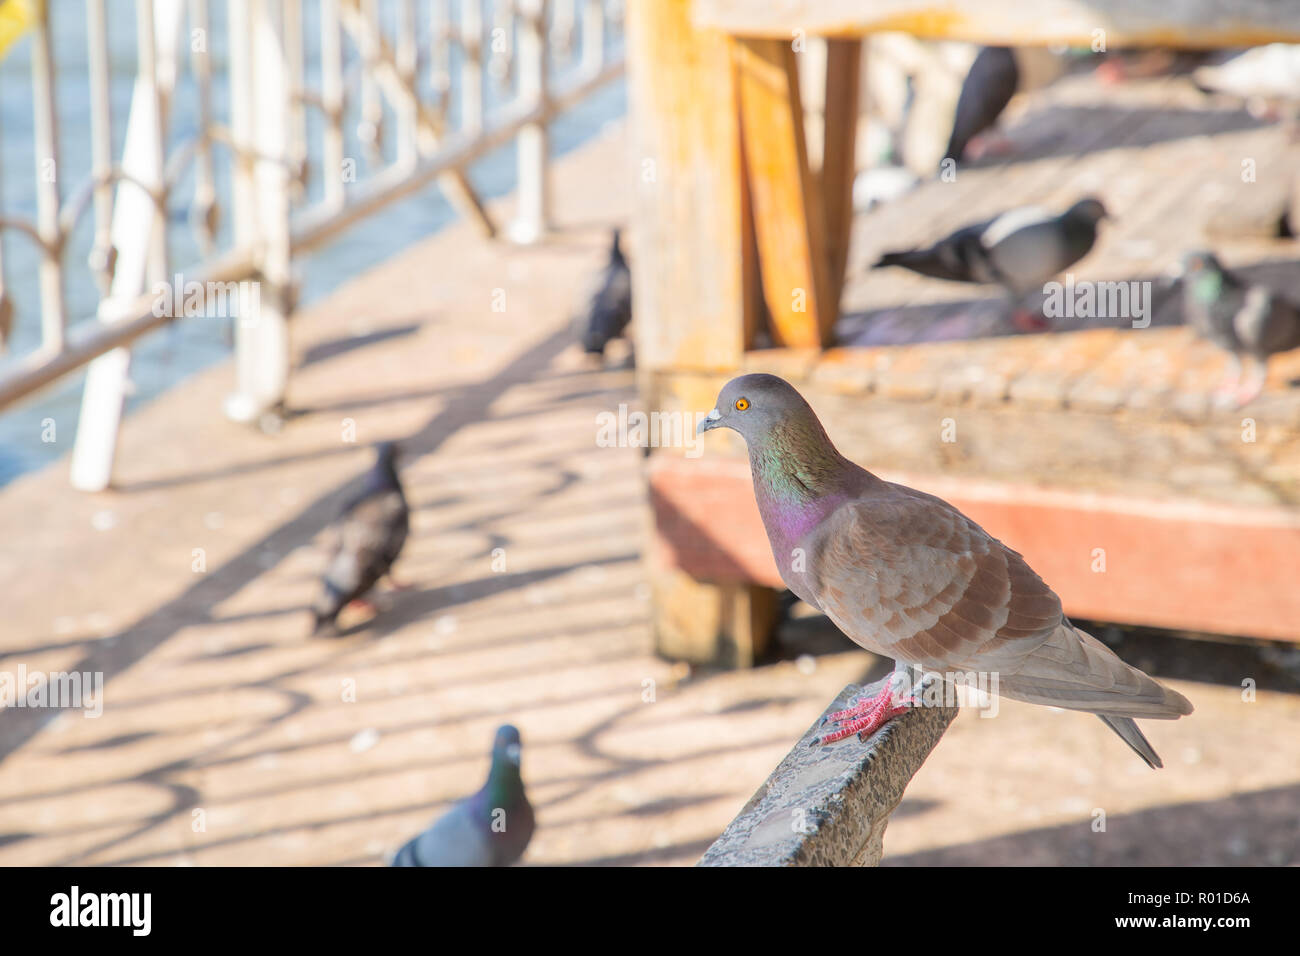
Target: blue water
{"type": "Point", "coordinates": [168, 356]}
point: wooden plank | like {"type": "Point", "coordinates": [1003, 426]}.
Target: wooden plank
{"type": "Point", "coordinates": [1172, 563]}
{"type": "Point", "coordinates": [691, 263]}
{"type": "Point", "coordinates": [843, 66]}
{"type": "Point", "coordinates": [789, 218]}
{"type": "Point", "coordinates": [1174, 23]}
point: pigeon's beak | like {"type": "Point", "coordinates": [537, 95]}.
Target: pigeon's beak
{"type": "Point", "coordinates": [711, 420]}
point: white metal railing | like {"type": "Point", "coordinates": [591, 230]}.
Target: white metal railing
{"type": "Point", "coordinates": [506, 68]}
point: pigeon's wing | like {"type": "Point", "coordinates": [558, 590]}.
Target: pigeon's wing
{"type": "Point", "coordinates": [1267, 323]}
{"type": "Point", "coordinates": [455, 839]}
{"type": "Point", "coordinates": [610, 309]}
{"type": "Point", "coordinates": [368, 540]}
{"type": "Point", "coordinates": [907, 575]}
{"type": "Point", "coordinates": [1026, 248]}
{"type": "Point", "coordinates": [987, 90]}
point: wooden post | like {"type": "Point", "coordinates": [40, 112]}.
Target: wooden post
{"type": "Point", "coordinates": [691, 265]}
{"type": "Point", "coordinates": [840, 124]}
{"type": "Point", "coordinates": [789, 215]}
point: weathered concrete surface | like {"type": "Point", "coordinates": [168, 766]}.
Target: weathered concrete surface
{"type": "Point", "coordinates": [829, 805]}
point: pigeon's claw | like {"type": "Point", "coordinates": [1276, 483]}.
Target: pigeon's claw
{"type": "Point", "coordinates": [1027, 323]}
{"type": "Point", "coordinates": [864, 718]}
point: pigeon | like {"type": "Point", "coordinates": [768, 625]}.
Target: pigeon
{"type": "Point", "coordinates": [906, 575]}
{"type": "Point", "coordinates": [490, 828]}
{"type": "Point", "coordinates": [1248, 321]}
{"type": "Point", "coordinates": [610, 307]}
{"type": "Point", "coordinates": [1020, 250]}
{"type": "Point", "coordinates": [1266, 77]}
{"type": "Point", "coordinates": [988, 88]}
{"type": "Point", "coordinates": [996, 75]}
{"type": "Point", "coordinates": [364, 542]}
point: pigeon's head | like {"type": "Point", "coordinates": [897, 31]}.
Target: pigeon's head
{"type": "Point", "coordinates": [506, 747]}
{"type": "Point", "coordinates": [756, 405]}
{"type": "Point", "coordinates": [1202, 275]}
{"type": "Point", "coordinates": [1089, 210]}
{"type": "Point", "coordinates": [1199, 261]}
{"type": "Point", "coordinates": [388, 453]}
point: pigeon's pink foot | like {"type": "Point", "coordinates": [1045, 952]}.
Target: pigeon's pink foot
{"type": "Point", "coordinates": [1025, 321]}
{"type": "Point", "coordinates": [1246, 393]}
{"type": "Point", "coordinates": [989, 144]}
{"type": "Point", "coordinates": [864, 718]}
{"type": "Point", "coordinates": [398, 585]}
{"type": "Point", "coordinates": [363, 604]}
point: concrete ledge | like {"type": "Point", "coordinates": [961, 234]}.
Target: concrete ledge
{"type": "Point", "coordinates": [829, 806]}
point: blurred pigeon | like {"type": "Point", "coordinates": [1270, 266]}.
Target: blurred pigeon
{"type": "Point", "coordinates": [987, 90]}
{"type": "Point", "coordinates": [610, 308]}
{"type": "Point", "coordinates": [1248, 321]}
{"type": "Point", "coordinates": [1020, 250]}
{"type": "Point", "coordinates": [365, 540]}
{"type": "Point", "coordinates": [996, 75]}
{"type": "Point", "coordinates": [908, 576]}
{"type": "Point", "coordinates": [490, 828]}
{"type": "Point", "coordinates": [1266, 77]}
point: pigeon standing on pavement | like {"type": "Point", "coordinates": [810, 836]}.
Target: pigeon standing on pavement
{"type": "Point", "coordinates": [1019, 250]}
{"type": "Point", "coordinates": [1250, 322]}
{"type": "Point", "coordinates": [364, 541]}
{"type": "Point", "coordinates": [908, 576]}
{"type": "Point", "coordinates": [490, 828]}
{"type": "Point", "coordinates": [988, 88]}
{"type": "Point", "coordinates": [610, 308]}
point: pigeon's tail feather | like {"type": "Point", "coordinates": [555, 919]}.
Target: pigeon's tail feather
{"type": "Point", "coordinates": [1074, 670]}
{"type": "Point", "coordinates": [1128, 731]}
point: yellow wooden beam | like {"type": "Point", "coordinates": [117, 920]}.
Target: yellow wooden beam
{"type": "Point", "coordinates": [789, 216]}
{"type": "Point", "coordinates": [691, 267]}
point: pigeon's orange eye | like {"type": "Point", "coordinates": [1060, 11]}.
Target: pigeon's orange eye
{"type": "Point", "coordinates": [742, 404]}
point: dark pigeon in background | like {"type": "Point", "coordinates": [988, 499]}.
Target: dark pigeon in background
{"type": "Point", "coordinates": [988, 88]}
{"type": "Point", "coordinates": [610, 308]}
{"type": "Point", "coordinates": [364, 541]}
{"type": "Point", "coordinates": [1248, 321]}
{"type": "Point", "coordinates": [490, 828]}
{"type": "Point", "coordinates": [1020, 250]}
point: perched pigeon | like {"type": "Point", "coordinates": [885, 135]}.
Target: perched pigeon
{"type": "Point", "coordinates": [1248, 321]}
{"type": "Point", "coordinates": [610, 308]}
{"type": "Point", "coordinates": [1019, 250]}
{"type": "Point", "coordinates": [908, 576]}
{"type": "Point", "coordinates": [490, 828]}
{"type": "Point", "coordinates": [365, 541]}
{"type": "Point", "coordinates": [988, 88]}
